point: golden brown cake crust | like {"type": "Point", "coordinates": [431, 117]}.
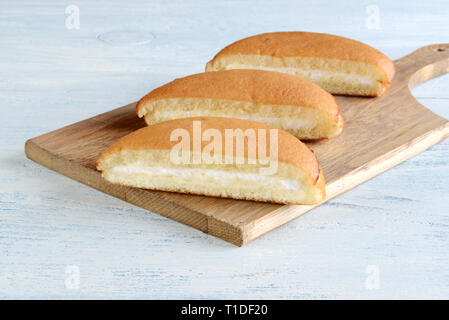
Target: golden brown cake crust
{"type": "Point", "coordinates": [265, 87]}
{"type": "Point", "coordinates": [309, 44]}
{"type": "Point", "coordinates": [157, 137]}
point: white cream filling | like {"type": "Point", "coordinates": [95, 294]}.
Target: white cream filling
{"type": "Point", "coordinates": [312, 75]}
{"type": "Point", "coordinates": [285, 123]}
{"type": "Point", "coordinates": [220, 177]}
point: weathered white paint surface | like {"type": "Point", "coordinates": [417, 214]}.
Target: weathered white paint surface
{"type": "Point", "coordinates": [397, 223]}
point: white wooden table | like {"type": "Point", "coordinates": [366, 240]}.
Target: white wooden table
{"type": "Point", "coordinates": [388, 238]}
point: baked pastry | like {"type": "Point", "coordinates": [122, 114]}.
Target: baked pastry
{"type": "Point", "coordinates": [155, 157]}
{"type": "Point", "coordinates": [337, 64]}
{"type": "Point", "coordinates": [281, 100]}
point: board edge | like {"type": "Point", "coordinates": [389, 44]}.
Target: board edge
{"type": "Point", "coordinates": [156, 204]}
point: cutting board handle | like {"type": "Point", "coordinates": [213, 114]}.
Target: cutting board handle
{"type": "Point", "coordinates": [423, 64]}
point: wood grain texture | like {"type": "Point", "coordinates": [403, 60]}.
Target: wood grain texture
{"type": "Point", "coordinates": [379, 133]}
{"type": "Point", "coordinates": [51, 77]}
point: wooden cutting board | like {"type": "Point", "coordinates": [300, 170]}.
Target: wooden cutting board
{"type": "Point", "coordinates": [379, 133]}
